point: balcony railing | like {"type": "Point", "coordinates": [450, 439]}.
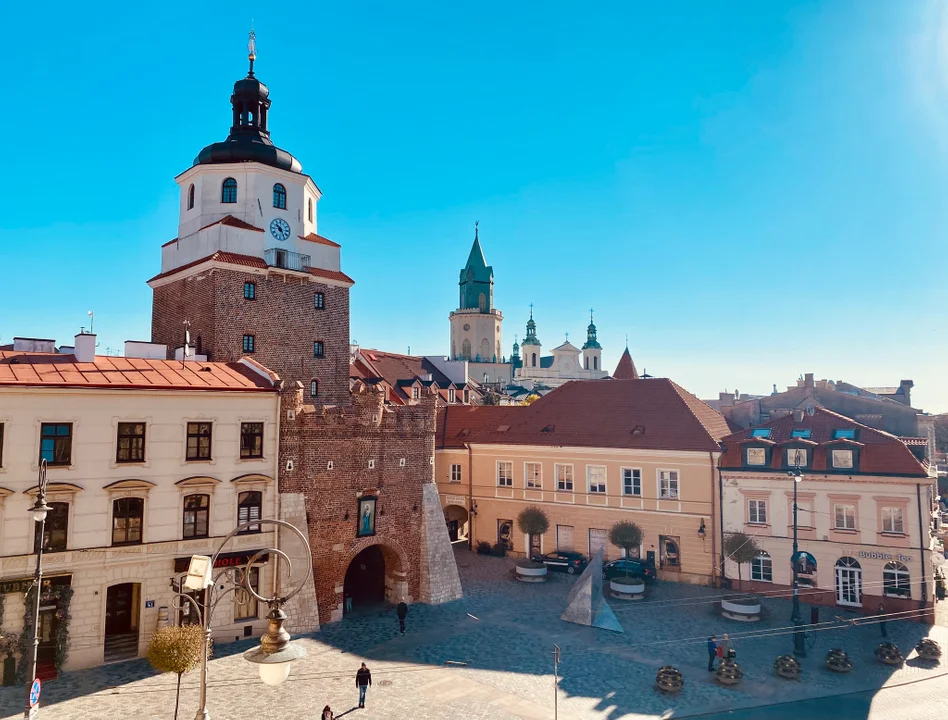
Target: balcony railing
{"type": "Point", "coordinates": [278, 257]}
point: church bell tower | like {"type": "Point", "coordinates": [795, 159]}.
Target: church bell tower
{"type": "Point", "coordinates": [476, 324]}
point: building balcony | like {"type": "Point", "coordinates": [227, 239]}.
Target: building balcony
{"type": "Point", "coordinates": [280, 258]}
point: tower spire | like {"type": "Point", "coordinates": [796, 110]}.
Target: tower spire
{"type": "Point", "coordinates": [251, 48]}
{"type": "Point", "coordinates": [476, 223]}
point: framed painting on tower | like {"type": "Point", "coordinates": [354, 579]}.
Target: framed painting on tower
{"type": "Point", "coordinates": [366, 517]}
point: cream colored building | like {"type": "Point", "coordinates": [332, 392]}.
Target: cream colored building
{"type": "Point", "coordinates": [864, 511]}
{"type": "Point", "coordinates": [590, 453]}
{"type": "Point", "coordinates": [149, 462]}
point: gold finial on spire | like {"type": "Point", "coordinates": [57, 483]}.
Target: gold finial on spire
{"type": "Point", "coordinates": [252, 47]}
{"type": "Point", "coordinates": [476, 223]}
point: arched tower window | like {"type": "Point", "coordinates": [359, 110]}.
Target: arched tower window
{"type": "Point", "coordinates": [587, 363]}
{"type": "Point", "coordinates": [466, 350]}
{"type": "Point", "coordinates": [314, 388]}
{"type": "Point", "coordinates": [191, 197]}
{"type": "Point", "coordinates": [595, 363]}
{"type": "Point", "coordinates": [482, 302]}
{"type": "Point", "coordinates": [279, 196]}
{"type": "Point", "coordinates": [229, 191]}
{"type": "Point", "coordinates": [533, 359]}
{"type": "Point", "coordinates": [309, 209]}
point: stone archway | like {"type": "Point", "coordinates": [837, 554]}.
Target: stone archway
{"type": "Point", "coordinates": [376, 571]}
{"type": "Point", "coordinates": [456, 518]}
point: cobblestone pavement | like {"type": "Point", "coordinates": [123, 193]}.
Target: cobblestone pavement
{"type": "Point", "coordinates": [503, 633]}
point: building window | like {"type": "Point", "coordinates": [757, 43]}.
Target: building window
{"type": "Point", "coordinates": [248, 343]}
{"type": "Point", "coordinates": [892, 520]}
{"type": "Point", "coordinates": [451, 394]}
{"type": "Point", "coordinates": [668, 484]}
{"type": "Point", "coordinates": [127, 516]}
{"type": "Point", "coordinates": [191, 197]}
{"type": "Point", "coordinates": [415, 392]}
{"type": "Point", "coordinates": [188, 615]}
{"type": "Point", "coordinates": [279, 197]}
{"type": "Point", "coordinates": [796, 457]}
{"type": "Point", "coordinates": [229, 191]}
{"type": "Point", "coordinates": [245, 604]}
{"type": "Point", "coordinates": [845, 516]}
{"type": "Point", "coordinates": [564, 478]}
{"type": "Point", "coordinates": [849, 434]}
{"type": "Point", "coordinates": [251, 440]}
{"type": "Point", "coordinates": [455, 473]}
{"type": "Point", "coordinates": [313, 388]}
{"type": "Point", "coordinates": [757, 512]}
{"type": "Point", "coordinates": [631, 481]}
{"type": "Point", "coordinates": [250, 291]}
{"type": "Point", "coordinates": [309, 209]}
{"type": "Point", "coordinates": [56, 443]}
{"type": "Point", "coordinates": [249, 505]}
{"type": "Point", "coordinates": [467, 396]}
{"type": "Point", "coordinates": [843, 459]}
{"type": "Point", "coordinates": [199, 441]}
{"type": "Point", "coordinates": [762, 568]}
{"type": "Point", "coordinates": [533, 359]}
{"type": "Point", "coordinates": [195, 516]}
{"type": "Point", "coordinates": [596, 475]}
{"type": "Point", "coordinates": [895, 580]}
{"type": "Point", "coordinates": [131, 443]}
{"type": "Point", "coordinates": [803, 433]}
{"type": "Point", "coordinates": [533, 475]}
{"type": "Point", "coordinates": [318, 348]}
{"type": "Point", "coordinates": [761, 432]}
{"type": "Point", "coordinates": [319, 301]}
{"type": "Point", "coordinates": [756, 456]}
{"type": "Point", "coordinates": [54, 529]}
{"type": "Point", "coordinates": [504, 473]}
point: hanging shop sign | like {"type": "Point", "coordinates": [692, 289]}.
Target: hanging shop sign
{"type": "Point", "coordinates": [231, 559]}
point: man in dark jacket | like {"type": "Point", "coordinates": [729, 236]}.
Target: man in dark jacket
{"type": "Point", "coordinates": [712, 653]}
{"type": "Point", "coordinates": [363, 680]}
{"type": "Point", "coordinates": [402, 611]}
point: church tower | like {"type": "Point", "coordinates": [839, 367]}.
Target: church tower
{"type": "Point", "coordinates": [531, 347]}
{"type": "Point", "coordinates": [248, 272]}
{"type": "Point", "coordinates": [476, 324]}
{"type": "Point", "coordinates": [592, 350]}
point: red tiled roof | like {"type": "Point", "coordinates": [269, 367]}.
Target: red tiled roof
{"type": "Point", "coordinates": [879, 452]}
{"type": "Point", "coordinates": [62, 370]}
{"type": "Point", "coordinates": [313, 237]}
{"type": "Point", "coordinates": [219, 256]}
{"type": "Point", "coordinates": [625, 370]}
{"type": "Point", "coordinates": [232, 222]}
{"type": "Point", "coordinates": [654, 414]}
{"type": "Point", "coordinates": [170, 242]}
{"type": "Point", "coordinates": [331, 275]}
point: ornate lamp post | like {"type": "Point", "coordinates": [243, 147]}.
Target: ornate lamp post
{"type": "Point", "coordinates": [275, 653]}
{"type": "Point", "coordinates": [799, 646]}
{"type": "Point", "coordinates": [40, 510]}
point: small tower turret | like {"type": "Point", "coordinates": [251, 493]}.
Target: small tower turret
{"type": "Point", "coordinates": [532, 349]}
{"type": "Point", "coordinates": [592, 350]}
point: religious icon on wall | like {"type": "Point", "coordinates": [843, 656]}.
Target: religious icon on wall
{"type": "Point", "coordinates": [366, 517]}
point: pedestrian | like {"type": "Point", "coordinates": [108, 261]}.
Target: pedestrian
{"type": "Point", "coordinates": [327, 714]}
{"type": "Point", "coordinates": [814, 615]}
{"type": "Point", "coordinates": [712, 652]}
{"type": "Point", "coordinates": [401, 611]}
{"type": "Point", "coordinates": [727, 652]}
{"type": "Point", "coordinates": [881, 614]}
{"type": "Point", "coordinates": [348, 603]}
{"type": "Point", "coordinates": [363, 681]}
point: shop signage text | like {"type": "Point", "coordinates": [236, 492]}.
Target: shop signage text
{"type": "Point", "coordinates": [883, 556]}
{"type": "Point", "coordinates": [224, 560]}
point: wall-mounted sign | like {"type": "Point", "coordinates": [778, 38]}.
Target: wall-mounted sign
{"type": "Point", "coordinates": [231, 559]}
{"type": "Point", "coordinates": [22, 585]}
{"type": "Point", "coordinates": [149, 604]}
{"type": "Point", "coordinates": [884, 556]}
{"type": "Point", "coordinates": [455, 500]}
{"type": "Point", "coordinates": [366, 518]}
{"type": "Point", "coordinates": [804, 563]}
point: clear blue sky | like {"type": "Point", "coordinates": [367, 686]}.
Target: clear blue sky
{"type": "Point", "coordinates": [750, 190]}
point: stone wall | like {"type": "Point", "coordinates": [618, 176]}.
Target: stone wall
{"type": "Point", "coordinates": [302, 610]}
{"type": "Point", "coordinates": [440, 581]}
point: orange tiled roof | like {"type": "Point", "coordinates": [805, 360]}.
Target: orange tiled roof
{"type": "Point", "coordinates": [219, 256]}
{"type": "Point", "coordinates": [879, 452]}
{"type": "Point", "coordinates": [313, 237]}
{"type": "Point", "coordinates": [231, 221]}
{"type": "Point", "coordinates": [62, 370]}
{"type": "Point", "coordinates": [331, 275]}
{"type": "Point", "coordinates": [625, 370]}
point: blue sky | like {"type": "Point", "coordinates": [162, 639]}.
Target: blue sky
{"type": "Point", "coordinates": [749, 191]}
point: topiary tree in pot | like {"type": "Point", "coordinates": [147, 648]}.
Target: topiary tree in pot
{"type": "Point", "coordinates": [626, 535]}
{"type": "Point", "coordinates": [176, 649]}
{"type": "Point", "coordinates": [741, 548]}
{"type": "Point", "coordinates": [532, 521]}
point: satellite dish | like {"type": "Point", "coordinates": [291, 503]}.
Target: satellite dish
{"type": "Point", "coordinates": [811, 410]}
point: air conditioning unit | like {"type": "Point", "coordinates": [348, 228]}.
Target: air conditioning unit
{"type": "Point", "coordinates": [289, 466]}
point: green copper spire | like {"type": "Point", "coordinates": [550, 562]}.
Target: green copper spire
{"type": "Point", "coordinates": [591, 341]}
{"type": "Point", "coordinates": [531, 338]}
{"type": "Point", "coordinates": [477, 280]}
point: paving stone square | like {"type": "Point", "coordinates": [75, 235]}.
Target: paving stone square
{"type": "Point", "coordinates": [490, 656]}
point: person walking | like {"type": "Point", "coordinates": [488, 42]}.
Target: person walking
{"type": "Point", "coordinates": [727, 651]}
{"type": "Point", "coordinates": [881, 613]}
{"type": "Point", "coordinates": [363, 681]}
{"type": "Point", "coordinates": [348, 603]}
{"type": "Point", "coordinates": [401, 611]}
{"type": "Point", "coordinates": [327, 714]}
{"type": "Point", "coordinates": [712, 652]}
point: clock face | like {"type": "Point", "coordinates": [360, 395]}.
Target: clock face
{"type": "Point", "coordinates": [280, 229]}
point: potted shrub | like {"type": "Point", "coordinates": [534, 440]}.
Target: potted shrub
{"type": "Point", "coordinates": [729, 672]}
{"type": "Point", "coordinates": [669, 679]}
{"type": "Point", "coordinates": [177, 649]}
{"type": "Point", "coordinates": [628, 536]}
{"type": "Point", "coordinates": [889, 653]}
{"type": "Point", "coordinates": [838, 661]}
{"type": "Point", "coordinates": [484, 548]}
{"type": "Point", "coordinates": [788, 667]}
{"type": "Point", "coordinates": [928, 650]}
{"type": "Point", "coordinates": [532, 521]}
{"type": "Point", "coordinates": [741, 548]}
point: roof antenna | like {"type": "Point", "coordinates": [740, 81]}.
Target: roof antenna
{"type": "Point", "coordinates": [251, 48]}
{"type": "Point", "coordinates": [91, 322]}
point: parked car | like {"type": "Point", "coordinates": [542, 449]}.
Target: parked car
{"type": "Point", "coordinates": [633, 567]}
{"type": "Point", "coordinates": [564, 561]}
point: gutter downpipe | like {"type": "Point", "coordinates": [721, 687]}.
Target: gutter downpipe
{"type": "Point", "coordinates": [721, 524]}
{"type": "Point", "coordinates": [470, 497]}
{"type": "Point", "coordinates": [711, 524]}
{"type": "Point", "coordinates": [921, 544]}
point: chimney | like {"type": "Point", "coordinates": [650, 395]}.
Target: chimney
{"type": "Point", "coordinates": [798, 413]}
{"type": "Point", "coordinates": [808, 380]}
{"type": "Point", "coordinates": [906, 387]}
{"type": "Point", "coordinates": [85, 348]}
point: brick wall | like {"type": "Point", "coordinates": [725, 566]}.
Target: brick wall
{"type": "Point", "coordinates": [282, 319]}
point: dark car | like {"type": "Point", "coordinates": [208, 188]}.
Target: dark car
{"type": "Point", "coordinates": [564, 561]}
{"type": "Point", "coordinates": [633, 567]}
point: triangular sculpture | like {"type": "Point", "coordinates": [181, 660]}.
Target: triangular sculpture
{"type": "Point", "coordinates": [585, 604]}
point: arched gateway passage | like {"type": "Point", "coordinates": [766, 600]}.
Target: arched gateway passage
{"type": "Point", "coordinates": [365, 578]}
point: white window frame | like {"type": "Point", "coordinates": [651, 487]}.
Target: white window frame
{"type": "Point", "coordinates": [564, 483]}
{"type": "Point", "coordinates": [676, 481]}
{"type": "Point", "coordinates": [631, 479]}
{"type": "Point", "coordinates": [757, 511]}
{"type": "Point", "coordinates": [890, 526]}
{"type": "Point", "coordinates": [601, 487]}
{"type": "Point", "coordinates": [844, 526]}
{"type": "Point", "coordinates": [843, 466]}
{"type": "Point", "coordinates": [747, 460]}
{"type": "Point", "coordinates": [533, 476]}
{"type": "Point", "coordinates": [451, 395]}
{"type": "Point", "coordinates": [505, 480]}
{"type": "Point", "coordinates": [806, 457]}
{"type": "Point", "coordinates": [902, 578]}
{"type": "Point", "coordinates": [758, 567]}
{"type": "Point", "coordinates": [455, 472]}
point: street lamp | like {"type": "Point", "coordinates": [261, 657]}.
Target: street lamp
{"type": "Point", "coordinates": [799, 646]}
{"type": "Point", "coordinates": [40, 510]}
{"type": "Point", "coordinates": [275, 653]}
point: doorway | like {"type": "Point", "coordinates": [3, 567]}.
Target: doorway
{"type": "Point", "coordinates": [121, 622]}
{"type": "Point", "coordinates": [452, 530]}
{"type": "Point", "coordinates": [365, 579]}
{"type": "Point", "coordinates": [848, 582]}
{"type": "Point", "coordinates": [669, 552]}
